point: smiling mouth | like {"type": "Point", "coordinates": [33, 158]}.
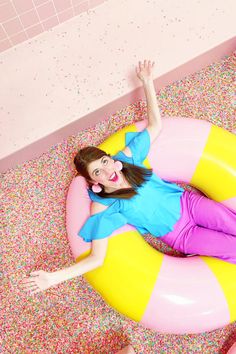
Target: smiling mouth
{"type": "Point", "coordinates": [114, 177]}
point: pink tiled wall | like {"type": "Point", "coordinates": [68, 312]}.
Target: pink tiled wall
{"type": "Point", "coordinates": [24, 19]}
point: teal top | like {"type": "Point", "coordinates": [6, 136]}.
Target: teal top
{"type": "Point", "coordinates": [155, 209]}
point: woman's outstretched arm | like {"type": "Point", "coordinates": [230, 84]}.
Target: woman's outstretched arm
{"type": "Point", "coordinates": [145, 74]}
{"type": "Point", "coordinates": [42, 280]}
{"type": "Point", "coordinates": [94, 260]}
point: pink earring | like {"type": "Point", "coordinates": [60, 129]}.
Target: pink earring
{"type": "Point", "coordinates": [96, 188]}
{"type": "Point", "coordinates": [118, 165]}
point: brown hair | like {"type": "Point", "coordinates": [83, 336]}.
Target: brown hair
{"type": "Point", "coordinates": [135, 175]}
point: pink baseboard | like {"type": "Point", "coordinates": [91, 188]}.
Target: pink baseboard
{"type": "Point", "coordinates": [35, 149]}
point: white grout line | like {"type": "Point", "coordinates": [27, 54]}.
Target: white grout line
{"type": "Point", "coordinates": [20, 22]}
{"type": "Point", "coordinates": [73, 8]}
{"type": "Point", "coordinates": [7, 37]}
{"type": "Point", "coordinates": [40, 23]}
{"type": "Point", "coordinates": [55, 12]}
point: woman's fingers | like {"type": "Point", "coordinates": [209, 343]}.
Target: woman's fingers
{"type": "Point", "coordinates": [151, 64]}
{"type": "Point", "coordinates": [30, 285]}
{"type": "Point", "coordinates": [141, 65]}
{"type": "Point", "coordinates": [29, 282]}
{"type": "Point", "coordinates": [35, 291]}
{"type": "Point", "coordinates": [36, 282]}
{"type": "Point", "coordinates": [146, 63]}
{"type": "Point", "coordinates": [144, 70]}
{"type": "Point", "coordinates": [35, 273]}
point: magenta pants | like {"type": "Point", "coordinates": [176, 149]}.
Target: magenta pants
{"type": "Point", "coordinates": [206, 228]}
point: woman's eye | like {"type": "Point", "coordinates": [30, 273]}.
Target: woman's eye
{"type": "Point", "coordinates": [105, 161]}
{"type": "Point", "coordinates": [97, 172]}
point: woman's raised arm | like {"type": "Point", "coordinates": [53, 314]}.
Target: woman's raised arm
{"type": "Point", "coordinates": [145, 74]}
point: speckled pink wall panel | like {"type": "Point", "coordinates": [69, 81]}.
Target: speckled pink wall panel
{"type": "Point", "coordinates": [86, 64]}
{"type": "Point", "coordinates": [35, 149]}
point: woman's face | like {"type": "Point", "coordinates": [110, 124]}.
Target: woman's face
{"type": "Point", "coordinates": [104, 171]}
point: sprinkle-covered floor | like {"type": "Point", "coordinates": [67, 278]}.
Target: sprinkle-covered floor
{"type": "Point", "coordinates": [71, 317]}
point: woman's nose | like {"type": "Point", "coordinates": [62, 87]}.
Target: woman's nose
{"type": "Point", "coordinates": [108, 171]}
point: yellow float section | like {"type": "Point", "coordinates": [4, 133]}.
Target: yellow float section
{"type": "Point", "coordinates": [118, 282]}
{"type": "Point", "coordinates": [128, 293]}
{"type": "Point", "coordinates": [215, 174]}
{"type": "Point", "coordinates": [216, 167]}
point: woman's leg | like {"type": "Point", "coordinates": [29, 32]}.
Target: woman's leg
{"type": "Point", "coordinates": [206, 242]}
{"type": "Point", "coordinates": [201, 229]}
{"type": "Point", "coordinates": [212, 215]}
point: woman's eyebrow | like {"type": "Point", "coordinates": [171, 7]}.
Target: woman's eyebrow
{"type": "Point", "coordinates": [97, 168]}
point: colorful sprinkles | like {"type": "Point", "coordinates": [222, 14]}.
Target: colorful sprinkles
{"type": "Point", "coordinates": [71, 317]}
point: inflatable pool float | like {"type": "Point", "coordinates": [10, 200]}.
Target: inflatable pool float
{"type": "Point", "coordinates": [168, 294]}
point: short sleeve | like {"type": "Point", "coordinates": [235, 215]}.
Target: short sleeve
{"type": "Point", "coordinates": [101, 225]}
{"type": "Point", "coordinates": [96, 198]}
{"type": "Point", "coordinates": [139, 144]}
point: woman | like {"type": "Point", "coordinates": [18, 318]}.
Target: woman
{"type": "Point", "coordinates": [124, 191]}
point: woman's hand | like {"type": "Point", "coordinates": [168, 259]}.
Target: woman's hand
{"type": "Point", "coordinates": [37, 282]}
{"type": "Point", "coordinates": [145, 70]}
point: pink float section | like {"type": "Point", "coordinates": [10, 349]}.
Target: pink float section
{"type": "Point", "coordinates": [176, 152]}
{"type": "Point", "coordinates": [174, 157]}
{"type": "Point", "coordinates": [186, 289]}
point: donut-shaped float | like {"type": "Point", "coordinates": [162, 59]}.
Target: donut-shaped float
{"type": "Point", "coordinates": [168, 294]}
